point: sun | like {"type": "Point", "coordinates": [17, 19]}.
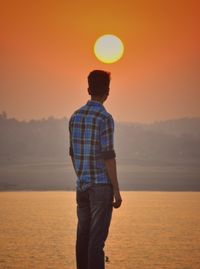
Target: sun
{"type": "Point", "coordinates": [108, 49]}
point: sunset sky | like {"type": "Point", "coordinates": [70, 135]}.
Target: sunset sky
{"type": "Point", "coordinates": [46, 53]}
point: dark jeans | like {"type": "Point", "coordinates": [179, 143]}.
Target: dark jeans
{"type": "Point", "coordinates": [94, 211]}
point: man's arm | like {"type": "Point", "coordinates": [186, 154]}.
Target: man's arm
{"type": "Point", "coordinates": [112, 173]}
{"type": "Point", "coordinates": [108, 155]}
{"type": "Point", "coordinates": [70, 145]}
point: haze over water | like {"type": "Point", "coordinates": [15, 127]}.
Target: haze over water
{"type": "Point", "coordinates": [151, 230]}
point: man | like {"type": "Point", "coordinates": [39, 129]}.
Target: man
{"type": "Point", "coordinates": [91, 148]}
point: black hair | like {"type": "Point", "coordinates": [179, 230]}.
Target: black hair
{"type": "Point", "coordinates": [98, 82]}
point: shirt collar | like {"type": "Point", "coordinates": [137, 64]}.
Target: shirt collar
{"type": "Point", "coordinates": [94, 103]}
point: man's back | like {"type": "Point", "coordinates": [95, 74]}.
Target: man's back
{"type": "Point", "coordinates": [91, 141]}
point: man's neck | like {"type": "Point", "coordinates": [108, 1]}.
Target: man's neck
{"type": "Point", "coordinates": [97, 99]}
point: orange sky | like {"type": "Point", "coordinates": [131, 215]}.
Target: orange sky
{"type": "Point", "coordinates": [46, 53]}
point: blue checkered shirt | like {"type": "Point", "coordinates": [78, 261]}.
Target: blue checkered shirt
{"type": "Point", "coordinates": [91, 131]}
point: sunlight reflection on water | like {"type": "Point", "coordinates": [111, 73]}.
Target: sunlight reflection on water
{"type": "Point", "coordinates": [151, 230]}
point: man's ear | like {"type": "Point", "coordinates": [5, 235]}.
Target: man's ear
{"type": "Point", "coordinates": [107, 91]}
{"type": "Point", "coordinates": [89, 91]}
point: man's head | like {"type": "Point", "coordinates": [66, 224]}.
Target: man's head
{"type": "Point", "coordinates": [98, 84]}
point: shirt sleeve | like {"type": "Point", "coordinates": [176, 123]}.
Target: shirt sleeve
{"type": "Point", "coordinates": [106, 138]}
{"type": "Point", "coordinates": [70, 140]}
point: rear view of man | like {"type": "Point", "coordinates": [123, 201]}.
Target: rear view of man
{"type": "Point", "coordinates": [91, 148]}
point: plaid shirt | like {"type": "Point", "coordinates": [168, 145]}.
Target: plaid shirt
{"type": "Point", "coordinates": [91, 142]}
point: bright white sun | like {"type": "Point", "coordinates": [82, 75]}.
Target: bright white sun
{"type": "Point", "coordinates": [108, 49]}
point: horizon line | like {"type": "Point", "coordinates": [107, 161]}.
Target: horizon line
{"type": "Point", "coordinates": [4, 114]}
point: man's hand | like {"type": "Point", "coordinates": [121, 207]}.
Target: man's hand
{"type": "Point", "coordinates": [117, 199]}
{"type": "Point", "coordinates": [112, 173]}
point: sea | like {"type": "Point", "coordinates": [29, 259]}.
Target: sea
{"type": "Point", "coordinates": [151, 230]}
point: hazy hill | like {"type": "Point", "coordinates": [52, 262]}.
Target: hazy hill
{"type": "Point", "coordinates": [183, 126]}
{"type": "Point", "coordinates": [160, 155]}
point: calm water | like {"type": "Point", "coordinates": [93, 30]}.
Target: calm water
{"type": "Point", "coordinates": [152, 230]}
